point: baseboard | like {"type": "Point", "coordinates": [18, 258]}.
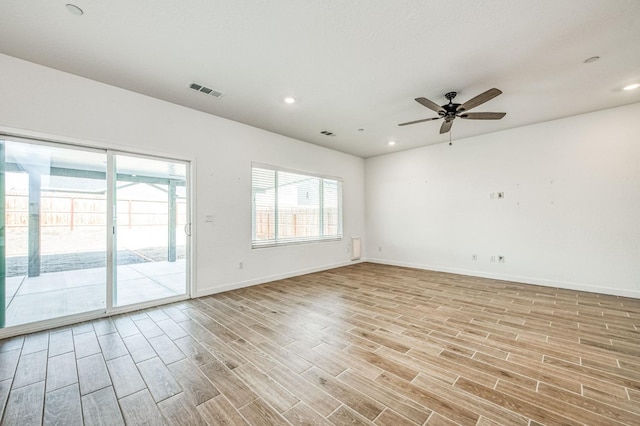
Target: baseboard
{"type": "Point", "coordinates": [515, 278]}
{"type": "Point", "coordinates": [270, 278]}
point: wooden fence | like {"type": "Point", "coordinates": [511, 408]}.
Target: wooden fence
{"type": "Point", "coordinates": [77, 210]}
{"type": "Point", "coordinates": [294, 223]}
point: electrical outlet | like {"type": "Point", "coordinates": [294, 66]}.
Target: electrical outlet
{"type": "Point", "coordinates": [500, 259]}
{"type": "Point", "coordinates": [493, 259]}
{"type": "Point", "coordinates": [474, 257]}
{"type": "Point", "coordinates": [379, 248]}
{"type": "Point", "coordinates": [208, 218]}
{"type": "Point", "coordinates": [241, 265]}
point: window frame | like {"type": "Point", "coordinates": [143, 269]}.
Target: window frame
{"type": "Point", "coordinates": [280, 241]}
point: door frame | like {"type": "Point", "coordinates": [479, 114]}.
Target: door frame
{"type": "Point", "coordinates": [36, 138]}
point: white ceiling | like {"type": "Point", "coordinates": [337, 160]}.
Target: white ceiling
{"type": "Point", "coordinates": [351, 64]}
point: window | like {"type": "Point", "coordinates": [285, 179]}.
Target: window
{"type": "Point", "coordinates": [290, 207]}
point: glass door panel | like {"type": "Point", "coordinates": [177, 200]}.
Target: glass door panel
{"type": "Point", "coordinates": [150, 221]}
{"type": "Point", "coordinates": [53, 254]}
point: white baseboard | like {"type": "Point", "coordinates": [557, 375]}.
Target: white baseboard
{"type": "Point", "coordinates": [515, 278]}
{"type": "Point", "coordinates": [262, 280]}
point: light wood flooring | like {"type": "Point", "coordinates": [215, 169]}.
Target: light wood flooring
{"type": "Point", "coordinates": [364, 344]}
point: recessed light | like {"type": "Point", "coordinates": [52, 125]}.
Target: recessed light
{"type": "Point", "coordinates": [631, 86]}
{"type": "Point", "coordinates": [289, 100]}
{"type": "Point", "coordinates": [391, 143]}
{"type": "Point", "coordinates": [591, 59]}
{"type": "Point", "coordinates": [74, 9]}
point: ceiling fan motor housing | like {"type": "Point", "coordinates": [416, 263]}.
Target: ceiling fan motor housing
{"type": "Point", "coordinates": [450, 109]}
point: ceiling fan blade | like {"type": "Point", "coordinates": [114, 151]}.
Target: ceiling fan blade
{"type": "Point", "coordinates": [429, 104]}
{"type": "Point", "coordinates": [483, 115]}
{"type": "Point", "coordinates": [479, 100]}
{"type": "Point", "coordinates": [446, 126]}
{"type": "Point", "coordinates": [419, 121]}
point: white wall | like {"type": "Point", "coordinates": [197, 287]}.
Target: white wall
{"type": "Point", "coordinates": [570, 217]}
{"type": "Point", "coordinates": [40, 101]}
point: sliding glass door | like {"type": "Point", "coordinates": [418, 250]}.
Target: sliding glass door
{"type": "Point", "coordinates": [150, 224]}
{"type": "Point", "coordinates": [86, 231]}
{"type": "Point", "coordinates": [54, 212]}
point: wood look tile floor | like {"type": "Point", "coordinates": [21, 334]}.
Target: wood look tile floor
{"type": "Point", "coordinates": [364, 344]}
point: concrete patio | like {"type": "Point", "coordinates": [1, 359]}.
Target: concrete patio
{"type": "Point", "coordinates": [63, 293]}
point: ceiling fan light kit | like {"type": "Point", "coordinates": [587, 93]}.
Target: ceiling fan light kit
{"type": "Point", "coordinates": [451, 111]}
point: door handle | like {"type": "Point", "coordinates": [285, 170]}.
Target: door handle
{"type": "Point", "coordinates": [187, 229]}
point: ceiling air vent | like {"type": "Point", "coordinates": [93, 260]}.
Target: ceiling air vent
{"type": "Point", "coordinates": [326, 133]}
{"type": "Point", "coordinates": [206, 90]}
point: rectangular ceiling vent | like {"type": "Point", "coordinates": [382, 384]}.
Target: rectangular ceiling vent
{"type": "Point", "coordinates": [206, 90]}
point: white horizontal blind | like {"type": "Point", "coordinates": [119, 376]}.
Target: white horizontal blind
{"type": "Point", "coordinates": [264, 205]}
{"type": "Point", "coordinates": [290, 207]}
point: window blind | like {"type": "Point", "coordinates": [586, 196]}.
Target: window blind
{"type": "Point", "coordinates": [291, 207]}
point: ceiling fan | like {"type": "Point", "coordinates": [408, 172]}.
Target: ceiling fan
{"type": "Point", "coordinates": [450, 111]}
